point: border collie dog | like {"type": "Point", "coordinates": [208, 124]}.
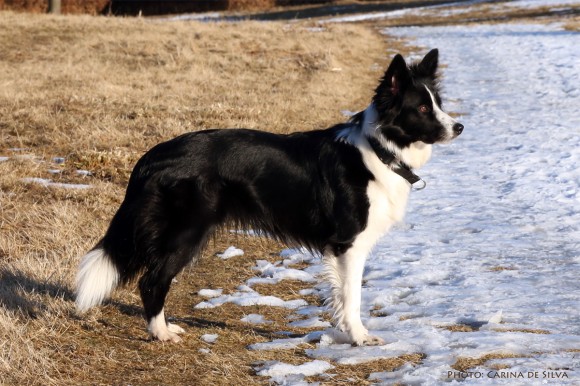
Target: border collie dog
{"type": "Point", "coordinates": [334, 191]}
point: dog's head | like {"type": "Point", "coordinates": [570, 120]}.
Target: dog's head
{"type": "Point", "coordinates": [409, 106]}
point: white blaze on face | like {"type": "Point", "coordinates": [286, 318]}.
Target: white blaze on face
{"type": "Point", "coordinates": [445, 119]}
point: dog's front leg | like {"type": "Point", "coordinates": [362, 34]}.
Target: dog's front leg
{"type": "Point", "coordinates": [345, 276]}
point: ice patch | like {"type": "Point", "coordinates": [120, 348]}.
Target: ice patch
{"type": "Point", "coordinates": [83, 173]}
{"type": "Point", "coordinates": [209, 338]}
{"type": "Point", "coordinates": [251, 299]}
{"type": "Point", "coordinates": [278, 273]}
{"type": "Point", "coordinates": [210, 293]}
{"type": "Point", "coordinates": [49, 183]}
{"type": "Point", "coordinates": [255, 319]}
{"type": "Point", "coordinates": [540, 3]}
{"type": "Point", "coordinates": [287, 343]}
{"type": "Point", "coordinates": [284, 373]}
{"type": "Point", "coordinates": [277, 344]}
{"type": "Point", "coordinates": [310, 323]}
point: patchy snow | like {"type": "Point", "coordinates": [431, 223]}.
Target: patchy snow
{"type": "Point", "coordinates": [541, 3]}
{"type": "Point", "coordinates": [310, 323]}
{"type": "Point", "coordinates": [3, 159]}
{"type": "Point", "coordinates": [272, 274]}
{"type": "Point", "coordinates": [255, 319]}
{"type": "Point", "coordinates": [451, 9]}
{"type": "Point", "coordinates": [439, 9]}
{"type": "Point", "coordinates": [230, 252]}
{"type": "Point", "coordinates": [203, 16]}
{"type": "Point", "coordinates": [493, 243]}
{"type": "Point", "coordinates": [210, 293]}
{"type": "Point", "coordinates": [209, 338]}
{"type": "Point", "coordinates": [495, 238]}
{"type": "Point", "coordinates": [84, 173]}
{"type": "Point", "coordinates": [285, 373]}
{"type": "Point", "coordinates": [277, 344]}
{"type": "Point", "coordinates": [373, 16]}
{"type": "Point", "coordinates": [251, 298]}
{"type": "Point", "coordinates": [50, 183]}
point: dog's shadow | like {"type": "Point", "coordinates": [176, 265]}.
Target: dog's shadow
{"type": "Point", "coordinates": [21, 293]}
{"type": "Point", "coordinates": [27, 296]}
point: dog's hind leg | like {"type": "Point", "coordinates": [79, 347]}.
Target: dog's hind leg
{"type": "Point", "coordinates": [156, 281]}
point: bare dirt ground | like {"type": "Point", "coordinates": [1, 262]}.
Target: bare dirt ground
{"type": "Point", "coordinates": [85, 93]}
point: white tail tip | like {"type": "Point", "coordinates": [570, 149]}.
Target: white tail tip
{"type": "Point", "coordinates": [96, 279]}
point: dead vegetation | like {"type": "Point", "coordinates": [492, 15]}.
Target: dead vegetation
{"type": "Point", "coordinates": [358, 374]}
{"type": "Point", "coordinates": [464, 364]}
{"type": "Point", "coordinates": [94, 94]}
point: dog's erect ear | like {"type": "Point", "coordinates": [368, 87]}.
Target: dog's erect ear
{"type": "Point", "coordinates": [428, 65]}
{"type": "Point", "coordinates": [393, 83]}
{"type": "Point", "coordinates": [397, 75]}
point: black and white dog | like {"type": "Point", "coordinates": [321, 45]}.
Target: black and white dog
{"type": "Point", "coordinates": [334, 191]}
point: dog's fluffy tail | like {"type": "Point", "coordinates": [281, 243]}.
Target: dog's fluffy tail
{"type": "Point", "coordinates": [96, 279]}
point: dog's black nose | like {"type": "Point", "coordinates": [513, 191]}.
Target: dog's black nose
{"type": "Point", "coordinates": [458, 128]}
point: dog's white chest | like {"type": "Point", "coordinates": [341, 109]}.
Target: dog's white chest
{"type": "Point", "coordinates": [387, 194]}
{"type": "Point", "coordinates": [387, 201]}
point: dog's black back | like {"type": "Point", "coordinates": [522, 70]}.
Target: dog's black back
{"type": "Point", "coordinates": [304, 188]}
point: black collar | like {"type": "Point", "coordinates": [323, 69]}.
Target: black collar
{"type": "Point", "coordinates": [398, 166]}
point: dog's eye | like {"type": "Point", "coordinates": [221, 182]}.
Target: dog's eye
{"type": "Point", "coordinates": [424, 109]}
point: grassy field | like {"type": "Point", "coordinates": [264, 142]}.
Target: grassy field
{"type": "Point", "coordinates": [96, 93]}
{"type": "Point", "coordinates": [85, 93]}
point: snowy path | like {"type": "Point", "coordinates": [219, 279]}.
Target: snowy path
{"type": "Point", "coordinates": [497, 232]}
{"type": "Point", "coordinates": [493, 244]}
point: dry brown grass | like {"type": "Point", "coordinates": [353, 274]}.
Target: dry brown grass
{"type": "Point", "coordinates": [460, 328]}
{"type": "Point", "coordinates": [101, 91]}
{"type": "Point", "coordinates": [573, 24]}
{"type": "Point", "coordinates": [464, 364]}
{"type": "Point", "coordinates": [524, 330]}
{"type": "Point", "coordinates": [92, 7]}
{"type": "Point", "coordinates": [357, 375]}
{"type": "Point", "coordinates": [473, 328]}
{"type": "Point", "coordinates": [501, 268]}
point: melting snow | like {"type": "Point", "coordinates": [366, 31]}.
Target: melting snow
{"type": "Point", "coordinates": [210, 293]}
{"type": "Point", "coordinates": [493, 243]}
{"type": "Point", "coordinates": [49, 183]}
{"type": "Point", "coordinates": [209, 338]}
{"type": "Point", "coordinates": [281, 372]}
{"type": "Point", "coordinates": [255, 319]}
{"type": "Point", "coordinates": [230, 252]}
{"type": "Point", "coordinates": [251, 299]}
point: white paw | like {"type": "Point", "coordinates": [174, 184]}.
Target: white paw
{"type": "Point", "coordinates": [165, 332]}
{"type": "Point", "coordinates": [166, 336]}
{"type": "Point", "coordinates": [361, 337]}
{"type": "Point", "coordinates": [370, 340]}
{"type": "Point", "coordinates": [175, 328]}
